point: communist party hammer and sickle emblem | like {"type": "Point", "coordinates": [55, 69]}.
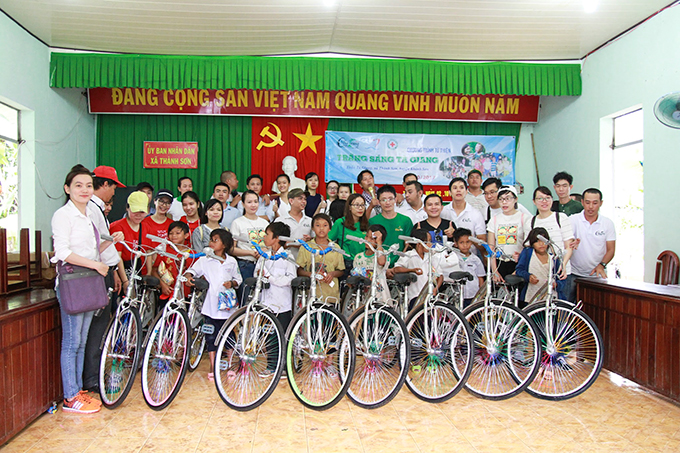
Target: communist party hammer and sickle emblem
{"type": "Point", "coordinates": [276, 139]}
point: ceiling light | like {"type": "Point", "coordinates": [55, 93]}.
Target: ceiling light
{"type": "Point", "coordinates": [589, 6]}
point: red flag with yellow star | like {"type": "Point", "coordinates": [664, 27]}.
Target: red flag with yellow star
{"type": "Point", "coordinates": [275, 138]}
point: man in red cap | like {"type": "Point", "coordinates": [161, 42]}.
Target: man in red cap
{"type": "Point", "coordinates": [105, 182]}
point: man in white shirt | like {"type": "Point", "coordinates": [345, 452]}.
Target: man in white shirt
{"type": "Point", "coordinates": [461, 213]}
{"type": "Point", "coordinates": [491, 187]}
{"type": "Point", "coordinates": [595, 242]}
{"type": "Point", "coordinates": [184, 184]}
{"type": "Point", "coordinates": [105, 182]}
{"type": "Point", "coordinates": [412, 205]}
{"type": "Point", "coordinates": [300, 225]}
{"type": "Point", "coordinates": [475, 194]}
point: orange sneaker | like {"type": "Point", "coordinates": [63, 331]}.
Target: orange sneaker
{"type": "Point", "coordinates": [82, 405]}
{"type": "Point", "coordinates": [89, 396]}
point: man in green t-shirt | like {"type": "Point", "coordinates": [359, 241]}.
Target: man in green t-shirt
{"type": "Point", "coordinates": [563, 185]}
{"type": "Point", "coordinates": [396, 224]}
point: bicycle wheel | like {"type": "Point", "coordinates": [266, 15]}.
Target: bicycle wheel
{"type": "Point", "coordinates": [383, 353]}
{"type": "Point", "coordinates": [249, 362]}
{"type": "Point", "coordinates": [120, 354]}
{"type": "Point", "coordinates": [441, 359]}
{"type": "Point", "coordinates": [320, 360]}
{"type": "Point", "coordinates": [197, 346]}
{"type": "Point", "coordinates": [572, 361]}
{"type": "Point", "coordinates": [165, 359]}
{"type": "Point", "coordinates": [507, 350]}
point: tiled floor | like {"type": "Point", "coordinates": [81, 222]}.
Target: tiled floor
{"type": "Point", "coordinates": [611, 416]}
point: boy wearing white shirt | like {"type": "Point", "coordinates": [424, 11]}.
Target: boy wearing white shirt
{"type": "Point", "coordinates": [300, 224]}
{"type": "Point", "coordinates": [416, 261]}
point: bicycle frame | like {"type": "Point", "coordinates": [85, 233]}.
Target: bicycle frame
{"type": "Point", "coordinates": [312, 289]}
{"type": "Point", "coordinates": [129, 299]}
{"type": "Point", "coordinates": [429, 297]}
{"type": "Point", "coordinates": [176, 301]}
{"type": "Point", "coordinates": [372, 299]}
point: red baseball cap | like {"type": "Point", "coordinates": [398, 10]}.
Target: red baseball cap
{"type": "Point", "coordinates": [108, 173]}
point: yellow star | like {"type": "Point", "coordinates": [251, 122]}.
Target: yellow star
{"type": "Point", "coordinates": [308, 139]}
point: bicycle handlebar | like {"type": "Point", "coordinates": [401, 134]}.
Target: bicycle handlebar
{"type": "Point", "coordinates": [174, 246]}
{"type": "Point", "coordinates": [498, 254]}
{"type": "Point", "coordinates": [392, 249]}
{"type": "Point", "coordinates": [319, 252]}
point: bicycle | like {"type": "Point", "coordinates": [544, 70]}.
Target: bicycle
{"type": "Point", "coordinates": [249, 344]}
{"type": "Point", "coordinates": [507, 348]}
{"type": "Point", "coordinates": [442, 347]}
{"type": "Point", "coordinates": [383, 351]}
{"type": "Point", "coordinates": [166, 347]}
{"type": "Point", "coordinates": [320, 353]}
{"type": "Point", "coordinates": [122, 341]}
{"type": "Point", "coordinates": [572, 344]}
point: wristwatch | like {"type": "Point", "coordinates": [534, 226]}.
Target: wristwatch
{"type": "Point", "coordinates": [604, 265]}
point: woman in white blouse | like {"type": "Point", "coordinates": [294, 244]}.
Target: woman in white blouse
{"type": "Point", "coordinates": [75, 242]}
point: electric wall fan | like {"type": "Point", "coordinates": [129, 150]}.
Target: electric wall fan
{"type": "Point", "coordinates": [667, 110]}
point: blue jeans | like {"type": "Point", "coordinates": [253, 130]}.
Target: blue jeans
{"type": "Point", "coordinates": [247, 269]}
{"type": "Point", "coordinates": [74, 330]}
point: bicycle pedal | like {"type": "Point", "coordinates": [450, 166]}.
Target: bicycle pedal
{"type": "Point", "coordinates": [416, 369]}
{"type": "Point", "coordinates": [208, 329]}
{"type": "Point", "coordinates": [224, 365]}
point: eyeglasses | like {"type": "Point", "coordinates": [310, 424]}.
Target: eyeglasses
{"type": "Point", "coordinates": [387, 200]}
{"type": "Point", "coordinates": [543, 199]}
{"type": "Point", "coordinates": [164, 202]}
{"type": "Point", "coordinates": [358, 206]}
{"type": "Point", "coordinates": [491, 192]}
{"type": "Point", "coordinates": [506, 199]}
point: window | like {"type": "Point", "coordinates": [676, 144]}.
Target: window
{"type": "Point", "coordinates": [9, 170]}
{"type": "Point", "coordinates": [626, 166]}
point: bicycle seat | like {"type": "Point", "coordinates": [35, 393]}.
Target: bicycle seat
{"type": "Point", "coordinates": [461, 276]}
{"type": "Point", "coordinates": [148, 280]}
{"type": "Point", "coordinates": [201, 284]}
{"type": "Point", "coordinates": [356, 280]}
{"type": "Point", "coordinates": [514, 280]}
{"type": "Point", "coordinates": [405, 278]}
{"type": "Point", "coordinates": [252, 281]}
{"type": "Point", "coordinates": [300, 283]}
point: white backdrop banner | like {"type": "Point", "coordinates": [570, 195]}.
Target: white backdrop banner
{"type": "Point", "coordinates": [435, 159]}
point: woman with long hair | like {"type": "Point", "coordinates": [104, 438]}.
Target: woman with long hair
{"type": "Point", "coordinates": [77, 242]}
{"type": "Point", "coordinates": [354, 223]}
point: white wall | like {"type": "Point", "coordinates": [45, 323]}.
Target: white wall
{"type": "Point", "coordinates": [635, 70]}
{"type": "Point", "coordinates": [54, 122]}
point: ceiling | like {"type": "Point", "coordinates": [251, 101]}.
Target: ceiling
{"type": "Point", "coordinates": [431, 29]}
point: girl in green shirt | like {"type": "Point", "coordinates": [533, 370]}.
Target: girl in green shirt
{"type": "Point", "coordinates": [354, 223]}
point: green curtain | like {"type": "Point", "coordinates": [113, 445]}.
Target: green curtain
{"type": "Point", "coordinates": [224, 143]}
{"type": "Point", "coordinates": [81, 70]}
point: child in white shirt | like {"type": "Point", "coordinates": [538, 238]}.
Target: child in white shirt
{"type": "Point", "coordinates": [220, 275]}
{"type": "Point", "coordinates": [280, 273]}
{"type": "Point", "coordinates": [469, 262]}
{"type": "Point", "coordinates": [416, 261]}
